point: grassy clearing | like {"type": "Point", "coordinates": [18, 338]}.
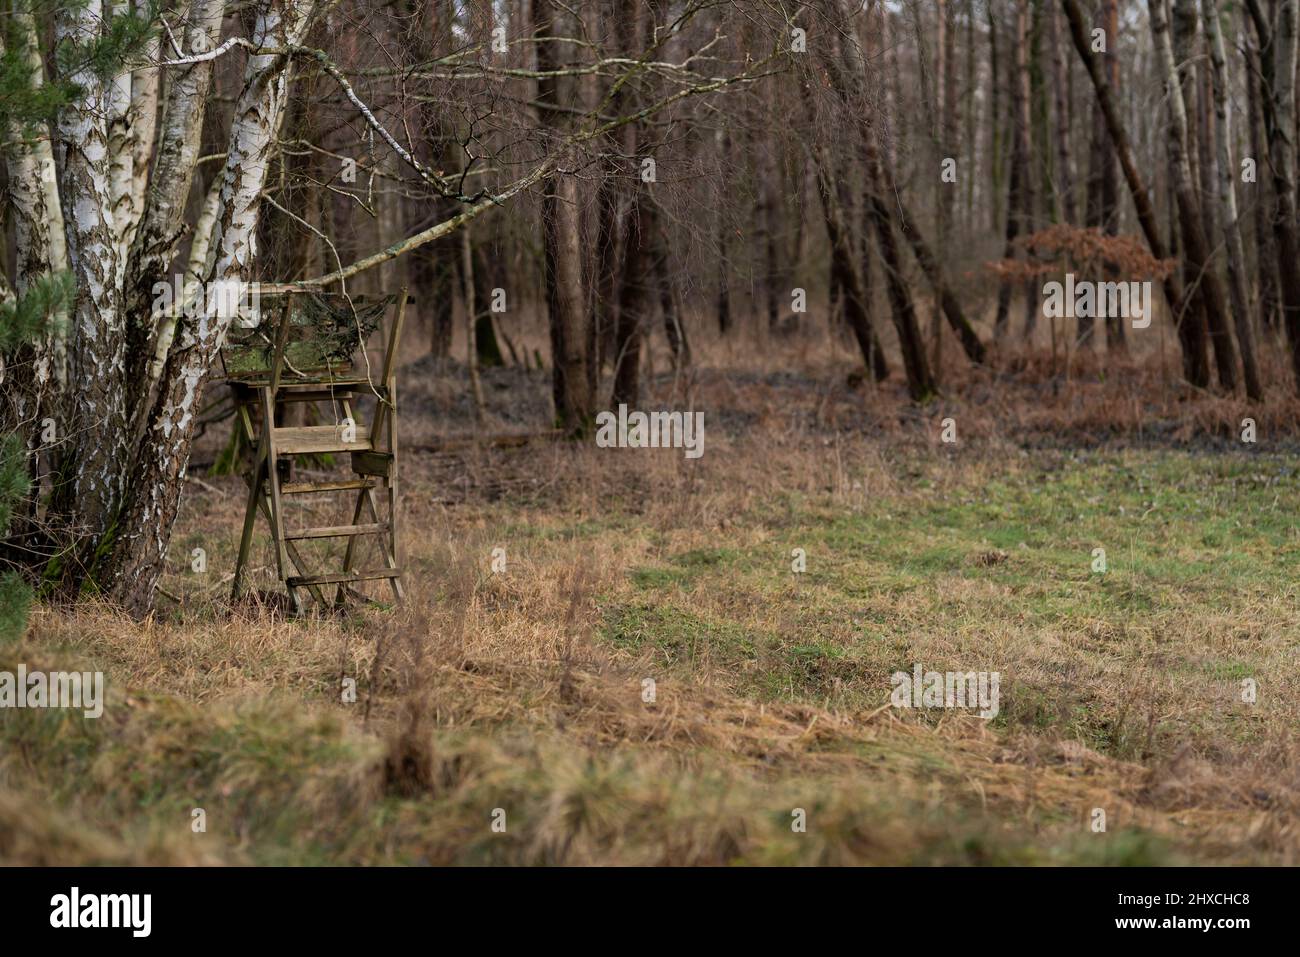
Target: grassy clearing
{"type": "Point", "coordinates": [524, 691]}
{"type": "Point", "coordinates": [966, 572]}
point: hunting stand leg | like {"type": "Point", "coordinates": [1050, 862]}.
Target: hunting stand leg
{"type": "Point", "coordinates": [254, 480]}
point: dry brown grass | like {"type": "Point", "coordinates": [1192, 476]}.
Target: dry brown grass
{"type": "Point", "coordinates": [506, 691]}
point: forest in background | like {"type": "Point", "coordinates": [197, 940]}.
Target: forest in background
{"type": "Point", "coordinates": [902, 177]}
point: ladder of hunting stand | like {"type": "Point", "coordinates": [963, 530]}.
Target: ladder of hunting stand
{"type": "Point", "coordinates": [302, 366]}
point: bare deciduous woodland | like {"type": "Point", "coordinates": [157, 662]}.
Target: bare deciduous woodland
{"type": "Point", "coordinates": [987, 317]}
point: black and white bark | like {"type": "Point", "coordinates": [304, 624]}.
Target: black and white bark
{"type": "Point", "coordinates": [144, 528]}
{"type": "Point", "coordinates": [92, 478]}
{"type": "Point", "coordinates": [154, 244]}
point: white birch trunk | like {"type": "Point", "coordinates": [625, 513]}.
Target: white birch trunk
{"type": "Point", "coordinates": [34, 190]}
{"type": "Point", "coordinates": [121, 156]}
{"type": "Point", "coordinates": [160, 473]}
{"type": "Point", "coordinates": [179, 132]}
{"type": "Point", "coordinates": [94, 478]}
{"type": "Point", "coordinates": [145, 85]}
{"type": "Point", "coordinates": [193, 282]}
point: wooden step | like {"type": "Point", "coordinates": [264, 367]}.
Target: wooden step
{"type": "Point", "coordinates": [301, 488]}
{"type": "Point", "coordinates": [343, 577]}
{"type": "Point", "coordinates": [337, 531]}
{"type": "Point", "coordinates": [312, 439]}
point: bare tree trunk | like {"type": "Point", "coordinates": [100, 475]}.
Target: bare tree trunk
{"type": "Point", "coordinates": [723, 141]}
{"type": "Point", "coordinates": [1228, 202]}
{"type": "Point", "coordinates": [844, 265]}
{"type": "Point", "coordinates": [1183, 27]}
{"type": "Point", "coordinates": [669, 302]}
{"type": "Point", "coordinates": [605, 287]}
{"type": "Point", "coordinates": [566, 304]}
{"type": "Point", "coordinates": [609, 207]}
{"type": "Point", "coordinates": [1101, 164]}
{"type": "Point", "coordinates": [432, 278]}
{"type": "Point", "coordinates": [1108, 181]}
{"type": "Point", "coordinates": [1062, 190]}
{"type": "Point", "coordinates": [1063, 181]}
{"type": "Point", "coordinates": [1036, 135]}
{"type": "Point", "coordinates": [1278, 51]}
{"type": "Point", "coordinates": [487, 343]}
{"type": "Point", "coordinates": [1195, 366]}
{"type": "Point", "coordinates": [1265, 254]}
{"type": "Point", "coordinates": [431, 269]}
{"type": "Point", "coordinates": [946, 87]}
{"type": "Point", "coordinates": [770, 213]}
{"type": "Point", "coordinates": [562, 238]}
{"type": "Point", "coordinates": [996, 70]}
{"type": "Point", "coordinates": [471, 317]}
{"type": "Point", "coordinates": [632, 301]}
{"type": "Point", "coordinates": [1109, 176]}
{"type": "Point", "coordinates": [1198, 143]}
{"type": "Point", "coordinates": [195, 271]}
{"type": "Point", "coordinates": [970, 116]}
{"type": "Point", "coordinates": [920, 385]}
{"type": "Point", "coordinates": [932, 266]}
{"type": "Point", "coordinates": [850, 77]}
{"type": "Point", "coordinates": [1209, 160]}
{"type": "Point", "coordinates": [1018, 189]}
{"type": "Point", "coordinates": [1196, 250]}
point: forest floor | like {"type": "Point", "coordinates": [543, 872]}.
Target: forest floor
{"type": "Point", "coordinates": [519, 696]}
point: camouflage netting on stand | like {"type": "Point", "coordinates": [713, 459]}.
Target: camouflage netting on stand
{"type": "Point", "coordinates": [327, 331]}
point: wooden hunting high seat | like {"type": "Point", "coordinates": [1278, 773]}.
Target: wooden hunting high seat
{"type": "Point", "coordinates": [304, 346]}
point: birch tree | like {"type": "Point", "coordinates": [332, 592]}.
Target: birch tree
{"type": "Point", "coordinates": [104, 185]}
{"type": "Point", "coordinates": [159, 474]}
